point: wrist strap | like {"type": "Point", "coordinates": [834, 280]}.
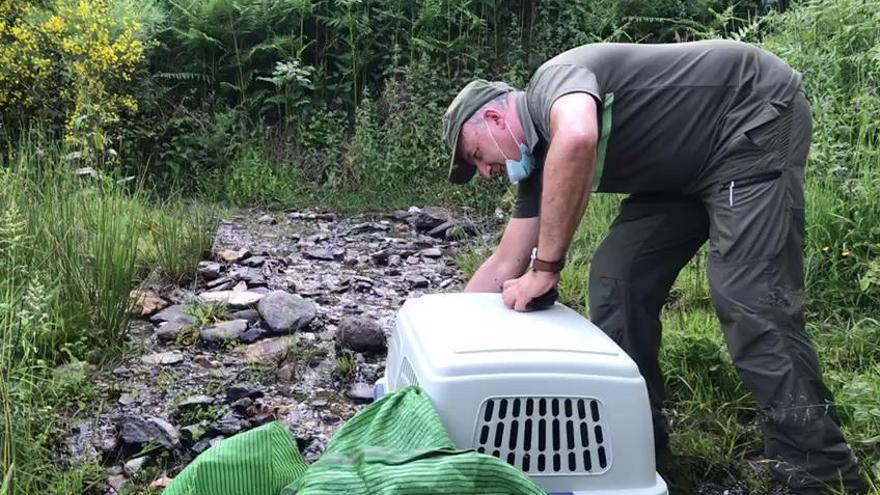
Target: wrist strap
{"type": "Point", "coordinates": [540, 265]}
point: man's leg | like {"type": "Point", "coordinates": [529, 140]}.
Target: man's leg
{"type": "Point", "coordinates": [651, 239]}
{"type": "Point", "coordinates": [757, 281]}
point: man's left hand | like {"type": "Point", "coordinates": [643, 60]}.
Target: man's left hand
{"type": "Point", "coordinates": [518, 292]}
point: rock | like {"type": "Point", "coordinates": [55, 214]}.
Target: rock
{"type": "Point", "coordinates": [241, 390]}
{"type": "Point", "coordinates": [429, 218]}
{"type": "Point", "coordinates": [136, 432]}
{"type": "Point", "coordinates": [240, 287]}
{"type": "Point", "coordinates": [267, 219]}
{"type": "Point", "coordinates": [242, 404]}
{"type": "Point", "coordinates": [195, 402]}
{"type": "Point", "coordinates": [147, 303]}
{"type": "Point", "coordinates": [233, 299]}
{"type": "Point", "coordinates": [134, 466]}
{"type": "Point", "coordinates": [285, 312]}
{"type": "Point", "coordinates": [116, 484]}
{"type": "Point", "coordinates": [381, 257]}
{"type": "Point", "coordinates": [286, 373]}
{"type": "Point", "coordinates": [201, 446]}
{"type": "Point", "coordinates": [163, 358]}
{"type": "Point", "coordinates": [168, 331]}
{"type": "Point", "coordinates": [360, 334]}
{"type": "Point", "coordinates": [128, 399]}
{"type": "Point", "coordinates": [269, 351]}
{"type": "Point", "coordinates": [203, 361]}
{"type": "Point", "coordinates": [233, 255]}
{"type": "Point", "coordinates": [210, 270]}
{"type": "Point", "coordinates": [254, 261]}
{"type": "Point", "coordinates": [317, 253]}
{"type": "Point", "coordinates": [219, 283]}
{"type": "Point", "coordinates": [413, 260]}
{"type": "Point", "coordinates": [176, 312]}
{"type": "Point", "coordinates": [252, 335]}
{"type": "Point", "coordinates": [250, 315]}
{"type": "Point", "coordinates": [161, 483]}
{"type": "Point", "coordinates": [229, 425]}
{"type": "Point", "coordinates": [360, 392]}
{"type": "Point", "coordinates": [394, 260]}
{"type": "Point", "coordinates": [440, 230]}
{"type": "Point", "coordinates": [417, 281]}
{"type": "Point", "coordinates": [225, 331]}
{"type": "Point", "coordinates": [192, 433]}
{"type": "Point", "coordinates": [431, 252]}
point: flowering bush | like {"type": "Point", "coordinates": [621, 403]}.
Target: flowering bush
{"type": "Point", "coordinates": [73, 60]}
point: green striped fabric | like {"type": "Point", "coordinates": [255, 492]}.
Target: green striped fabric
{"type": "Point", "coordinates": [397, 446]}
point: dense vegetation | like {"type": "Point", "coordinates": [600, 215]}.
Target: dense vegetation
{"type": "Point", "coordinates": [161, 104]}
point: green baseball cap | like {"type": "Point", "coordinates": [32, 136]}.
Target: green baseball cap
{"type": "Point", "coordinates": [473, 96]}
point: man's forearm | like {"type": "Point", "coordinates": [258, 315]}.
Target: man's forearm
{"type": "Point", "coordinates": [491, 275]}
{"type": "Point", "coordinates": [568, 181]}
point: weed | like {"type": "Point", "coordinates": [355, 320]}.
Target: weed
{"type": "Point", "coordinates": [346, 365]}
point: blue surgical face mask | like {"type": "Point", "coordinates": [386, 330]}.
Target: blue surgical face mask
{"type": "Point", "coordinates": [517, 170]}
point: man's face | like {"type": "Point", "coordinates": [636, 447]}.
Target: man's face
{"type": "Point", "coordinates": [478, 148]}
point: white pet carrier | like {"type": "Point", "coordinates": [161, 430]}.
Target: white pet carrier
{"type": "Point", "coordinates": [546, 391]}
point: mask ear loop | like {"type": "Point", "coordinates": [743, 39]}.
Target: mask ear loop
{"type": "Point", "coordinates": [489, 131]}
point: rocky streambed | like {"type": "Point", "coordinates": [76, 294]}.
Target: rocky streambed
{"type": "Point", "coordinates": [287, 321]}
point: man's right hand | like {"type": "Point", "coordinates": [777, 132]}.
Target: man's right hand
{"type": "Point", "coordinates": [510, 259]}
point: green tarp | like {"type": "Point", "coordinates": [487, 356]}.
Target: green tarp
{"type": "Point", "coordinates": [396, 446]}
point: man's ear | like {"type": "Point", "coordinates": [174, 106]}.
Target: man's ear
{"type": "Point", "coordinates": [492, 116]}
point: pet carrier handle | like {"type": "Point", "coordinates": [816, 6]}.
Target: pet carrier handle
{"type": "Point", "coordinates": [543, 301]}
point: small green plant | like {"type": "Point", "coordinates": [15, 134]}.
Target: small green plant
{"type": "Point", "coordinates": [346, 365]}
{"type": "Point", "coordinates": [193, 415]}
{"type": "Point", "coordinates": [207, 313]}
{"type": "Point", "coordinates": [181, 235]}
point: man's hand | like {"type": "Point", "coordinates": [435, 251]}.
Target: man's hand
{"type": "Point", "coordinates": [519, 292]}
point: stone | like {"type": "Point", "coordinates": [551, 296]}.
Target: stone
{"type": "Point", "coordinates": [240, 287]}
{"type": "Point", "coordinates": [286, 373]}
{"type": "Point", "coordinates": [318, 253]}
{"type": "Point", "coordinates": [440, 230]}
{"type": "Point", "coordinates": [234, 255]}
{"type": "Point", "coordinates": [134, 466]}
{"type": "Point", "coordinates": [168, 331]}
{"type": "Point", "coordinates": [431, 252]}
{"type": "Point", "coordinates": [250, 315]}
{"type": "Point", "coordinates": [252, 335]}
{"type": "Point", "coordinates": [201, 446]}
{"type": "Point", "coordinates": [195, 402]}
{"type": "Point", "coordinates": [269, 351]}
{"type": "Point", "coordinates": [117, 484]}
{"type": "Point", "coordinates": [147, 303]}
{"type": "Point", "coordinates": [229, 425]}
{"type": "Point", "coordinates": [240, 390]}
{"type": "Point", "coordinates": [360, 392]}
{"type": "Point", "coordinates": [429, 218]}
{"type": "Point", "coordinates": [286, 313]}
{"type": "Point", "coordinates": [128, 399]}
{"type": "Point", "coordinates": [254, 261]}
{"type": "Point", "coordinates": [161, 483]}
{"type": "Point", "coordinates": [203, 361]}
{"type": "Point", "coordinates": [163, 358]}
{"type": "Point", "coordinates": [233, 299]}
{"type": "Point", "coordinates": [267, 219]}
{"type": "Point", "coordinates": [394, 260]}
{"type": "Point", "coordinates": [242, 404]}
{"type": "Point", "coordinates": [210, 270]}
{"type": "Point", "coordinates": [176, 312]}
{"type": "Point", "coordinates": [360, 334]}
{"type": "Point", "coordinates": [225, 331]}
{"type": "Point", "coordinates": [381, 257]}
{"type": "Point", "coordinates": [219, 283]}
{"type": "Point", "coordinates": [417, 281]}
{"type": "Point", "coordinates": [137, 432]}
{"type": "Point", "coordinates": [192, 433]}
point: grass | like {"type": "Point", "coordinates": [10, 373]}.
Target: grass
{"type": "Point", "coordinates": [71, 250]}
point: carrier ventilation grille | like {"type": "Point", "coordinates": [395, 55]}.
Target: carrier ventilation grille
{"type": "Point", "coordinates": [407, 375]}
{"type": "Point", "coordinates": [545, 435]}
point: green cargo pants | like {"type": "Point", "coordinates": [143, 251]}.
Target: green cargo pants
{"type": "Point", "coordinates": [751, 209]}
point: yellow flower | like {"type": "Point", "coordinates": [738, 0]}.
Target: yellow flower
{"type": "Point", "coordinates": [845, 254]}
{"type": "Point", "coordinates": [826, 249]}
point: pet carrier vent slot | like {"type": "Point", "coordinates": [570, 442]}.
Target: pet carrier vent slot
{"type": "Point", "coordinates": [554, 435]}
{"type": "Point", "coordinates": [407, 375]}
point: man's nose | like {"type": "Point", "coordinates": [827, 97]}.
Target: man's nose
{"type": "Point", "coordinates": [485, 170]}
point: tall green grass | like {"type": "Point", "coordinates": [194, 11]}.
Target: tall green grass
{"type": "Point", "coordinates": [72, 248]}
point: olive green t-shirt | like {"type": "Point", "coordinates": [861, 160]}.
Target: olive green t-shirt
{"type": "Point", "coordinates": [665, 111]}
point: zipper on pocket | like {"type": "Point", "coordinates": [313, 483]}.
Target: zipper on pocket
{"type": "Point", "coordinates": [748, 181]}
